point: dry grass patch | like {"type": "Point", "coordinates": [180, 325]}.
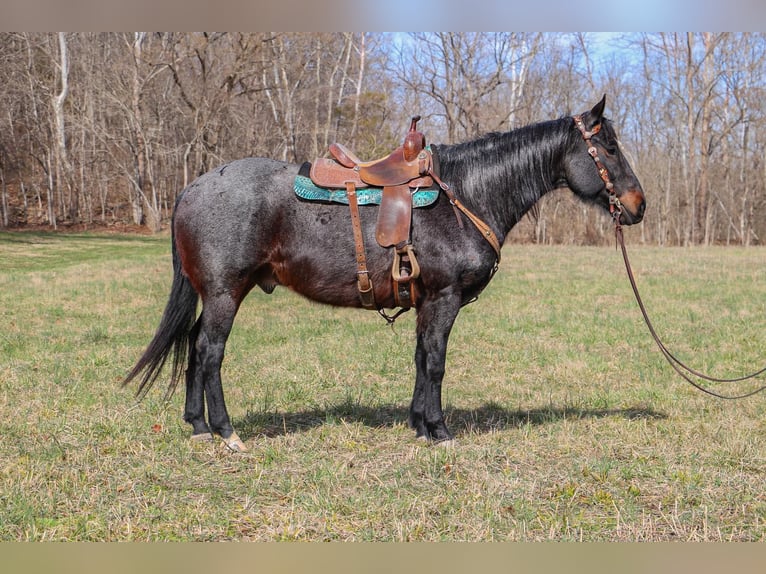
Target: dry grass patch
{"type": "Point", "coordinates": [569, 425]}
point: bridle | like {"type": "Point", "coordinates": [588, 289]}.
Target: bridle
{"type": "Point", "coordinates": [616, 209]}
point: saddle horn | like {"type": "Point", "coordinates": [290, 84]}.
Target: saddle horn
{"type": "Point", "coordinates": [414, 142]}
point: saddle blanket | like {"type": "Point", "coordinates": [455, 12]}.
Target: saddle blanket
{"type": "Point", "coordinates": [306, 189]}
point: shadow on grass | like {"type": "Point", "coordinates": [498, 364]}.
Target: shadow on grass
{"type": "Point", "coordinates": [490, 417]}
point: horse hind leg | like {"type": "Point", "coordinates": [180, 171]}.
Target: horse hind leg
{"type": "Point", "coordinates": [194, 410]}
{"type": "Point", "coordinates": [204, 375]}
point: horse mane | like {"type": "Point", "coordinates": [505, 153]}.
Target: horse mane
{"type": "Point", "coordinates": [516, 165]}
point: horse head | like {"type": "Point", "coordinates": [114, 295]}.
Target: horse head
{"type": "Point", "coordinates": [598, 172]}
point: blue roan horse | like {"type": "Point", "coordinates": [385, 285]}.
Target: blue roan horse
{"type": "Point", "coordinates": [241, 225]}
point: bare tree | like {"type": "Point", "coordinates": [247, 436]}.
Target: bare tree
{"type": "Point", "coordinates": [37, 80]}
{"type": "Point", "coordinates": [63, 167]}
{"type": "Point", "coordinates": [702, 85]}
{"type": "Point", "coordinates": [460, 71]}
{"type": "Point", "coordinates": [117, 124]}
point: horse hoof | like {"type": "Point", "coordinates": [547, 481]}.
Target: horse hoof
{"type": "Point", "coordinates": [446, 444]}
{"type": "Point", "coordinates": [234, 443]}
{"type": "Point", "coordinates": [202, 437]}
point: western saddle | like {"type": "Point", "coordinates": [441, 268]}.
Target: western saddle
{"type": "Point", "coordinates": [405, 170]}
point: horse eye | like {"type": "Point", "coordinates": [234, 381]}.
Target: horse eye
{"type": "Point", "coordinates": [610, 149]}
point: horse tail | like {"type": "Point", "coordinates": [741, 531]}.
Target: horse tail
{"type": "Point", "coordinates": [174, 334]}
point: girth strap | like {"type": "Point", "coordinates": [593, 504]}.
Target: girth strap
{"type": "Point", "coordinates": [363, 281]}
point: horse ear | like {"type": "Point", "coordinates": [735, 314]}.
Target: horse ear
{"type": "Point", "coordinates": [596, 113]}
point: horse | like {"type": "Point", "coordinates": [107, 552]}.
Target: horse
{"type": "Point", "coordinates": [241, 225]}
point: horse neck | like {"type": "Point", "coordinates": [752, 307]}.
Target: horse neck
{"type": "Point", "coordinates": [503, 175]}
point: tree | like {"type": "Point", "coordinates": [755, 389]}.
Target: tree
{"type": "Point", "coordinates": [700, 102]}
{"type": "Point", "coordinates": [459, 73]}
{"type": "Point", "coordinates": [112, 126]}
{"type": "Point", "coordinates": [63, 167]}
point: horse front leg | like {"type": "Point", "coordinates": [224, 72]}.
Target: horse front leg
{"type": "Point", "coordinates": [434, 323]}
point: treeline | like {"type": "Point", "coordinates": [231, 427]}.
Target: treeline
{"type": "Point", "coordinates": [100, 128]}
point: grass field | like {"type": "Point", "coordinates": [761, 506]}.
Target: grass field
{"type": "Point", "coordinates": [570, 426]}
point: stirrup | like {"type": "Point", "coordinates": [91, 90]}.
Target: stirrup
{"type": "Point", "coordinates": [404, 278]}
{"type": "Point", "coordinates": [396, 272]}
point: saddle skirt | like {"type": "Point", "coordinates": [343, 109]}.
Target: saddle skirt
{"type": "Point", "coordinates": [309, 191]}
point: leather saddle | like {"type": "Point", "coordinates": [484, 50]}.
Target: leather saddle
{"type": "Point", "coordinates": [405, 169]}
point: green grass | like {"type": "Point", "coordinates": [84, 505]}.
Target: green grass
{"type": "Point", "coordinates": [570, 426]}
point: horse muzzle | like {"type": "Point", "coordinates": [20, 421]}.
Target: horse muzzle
{"type": "Point", "coordinates": [633, 207]}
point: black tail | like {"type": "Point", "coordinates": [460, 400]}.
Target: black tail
{"type": "Point", "coordinates": [172, 336]}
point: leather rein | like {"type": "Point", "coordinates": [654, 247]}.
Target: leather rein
{"type": "Point", "coordinates": [615, 209]}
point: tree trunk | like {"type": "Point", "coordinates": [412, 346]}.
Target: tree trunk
{"type": "Point", "coordinates": [3, 198]}
{"type": "Point", "coordinates": [63, 167]}
{"type": "Point", "coordinates": [362, 50]}
{"type": "Point", "coordinates": [140, 178]}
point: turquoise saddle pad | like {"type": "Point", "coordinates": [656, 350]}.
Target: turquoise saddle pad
{"type": "Point", "coordinates": [306, 189]}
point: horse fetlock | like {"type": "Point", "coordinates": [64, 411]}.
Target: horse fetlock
{"type": "Point", "coordinates": [434, 433]}
{"type": "Point", "coordinates": [416, 423]}
{"type": "Point", "coordinates": [438, 432]}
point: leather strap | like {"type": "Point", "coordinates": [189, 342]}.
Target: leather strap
{"type": "Point", "coordinates": [484, 229]}
{"type": "Point", "coordinates": [682, 369]}
{"type": "Point", "coordinates": [363, 281]}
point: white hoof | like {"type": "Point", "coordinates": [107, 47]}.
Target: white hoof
{"type": "Point", "coordinates": [234, 443]}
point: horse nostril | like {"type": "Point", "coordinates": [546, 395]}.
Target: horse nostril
{"type": "Point", "coordinates": [641, 208]}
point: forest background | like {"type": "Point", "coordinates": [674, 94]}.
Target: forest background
{"type": "Point", "coordinates": [105, 129]}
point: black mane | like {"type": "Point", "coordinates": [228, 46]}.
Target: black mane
{"type": "Point", "coordinates": [518, 163]}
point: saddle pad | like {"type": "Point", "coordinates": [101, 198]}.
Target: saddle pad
{"type": "Point", "coordinates": [306, 189]}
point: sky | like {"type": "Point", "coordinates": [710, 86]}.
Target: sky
{"type": "Point", "coordinates": [604, 46]}
{"type": "Point", "coordinates": [377, 16]}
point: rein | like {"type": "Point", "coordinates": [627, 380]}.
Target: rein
{"type": "Point", "coordinates": [615, 209]}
